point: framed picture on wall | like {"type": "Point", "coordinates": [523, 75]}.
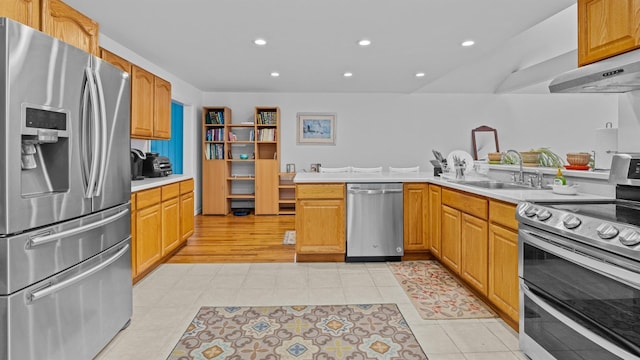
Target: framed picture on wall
{"type": "Point", "coordinates": [316, 128]}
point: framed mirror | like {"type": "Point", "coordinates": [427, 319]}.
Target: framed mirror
{"type": "Point", "coordinates": [485, 140]}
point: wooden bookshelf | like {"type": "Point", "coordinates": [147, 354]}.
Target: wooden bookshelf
{"type": "Point", "coordinates": [231, 181]}
{"type": "Point", "coordinates": [287, 194]}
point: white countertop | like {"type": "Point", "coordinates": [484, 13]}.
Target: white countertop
{"type": "Point", "coordinates": [509, 195]}
{"type": "Point", "coordinates": [149, 183]}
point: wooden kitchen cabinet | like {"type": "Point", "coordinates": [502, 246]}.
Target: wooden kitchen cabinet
{"type": "Point", "coordinates": [451, 237]}
{"type": "Point", "coordinates": [150, 105]}
{"type": "Point", "coordinates": [115, 60]}
{"type": "Point", "coordinates": [503, 287]}
{"type": "Point", "coordinates": [186, 210]}
{"type": "Point", "coordinates": [141, 103]}
{"type": "Point", "coordinates": [435, 222]}
{"type": "Point", "coordinates": [69, 25]}
{"type": "Point", "coordinates": [171, 236]}
{"type": "Point", "coordinates": [607, 28]}
{"type": "Point", "coordinates": [320, 222]}
{"type": "Point", "coordinates": [161, 108]}
{"type": "Point", "coordinates": [148, 229]}
{"type": "Point", "coordinates": [134, 266]}
{"type": "Point", "coordinates": [415, 214]}
{"type": "Point", "coordinates": [474, 251]}
{"type": "Point", "coordinates": [23, 11]}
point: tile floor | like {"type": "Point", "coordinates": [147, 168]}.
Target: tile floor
{"type": "Point", "coordinates": [166, 300]}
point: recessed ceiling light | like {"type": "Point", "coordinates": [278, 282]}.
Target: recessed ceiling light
{"type": "Point", "coordinates": [260, 42]}
{"type": "Point", "coordinates": [468, 43]}
{"type": "Point", "coordinates": [364, 42]}
{"type": "Point", "coordinates": [275, 74]}
{"type": "Point", "coordinates": [420, 74]}
{"type": "Point", "coordinates": [348, 74]}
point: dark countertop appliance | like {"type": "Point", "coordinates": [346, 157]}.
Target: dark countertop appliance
{"type": "Point", "coordinates": [155, 165]}
{"type": "Point", "coordinates": [579, 268]}
{"type": "Point", "coordinates": [137, 158]}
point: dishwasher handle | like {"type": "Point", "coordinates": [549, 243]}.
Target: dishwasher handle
{"type": "Point", "coordinates": [375, 192]}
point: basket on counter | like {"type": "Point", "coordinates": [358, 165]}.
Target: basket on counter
{"type": "Point", "coordinates": [579, 159]}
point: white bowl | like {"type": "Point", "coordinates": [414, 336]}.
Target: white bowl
{"type": "Point", "coordinates": [565, 189]}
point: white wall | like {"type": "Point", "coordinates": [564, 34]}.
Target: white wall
{"type": "Point", "coordinates": [629, 139]}
{"type": "Point", "coordinates": [401, 130]}
{"type": "Point", "coordinates": [182, 92]}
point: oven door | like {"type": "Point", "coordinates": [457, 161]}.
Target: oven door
{"type": "Point", "coordinates": [576, 302]}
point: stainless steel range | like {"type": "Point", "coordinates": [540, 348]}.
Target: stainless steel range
{"type": "Point", "coordinates": [579, 268]}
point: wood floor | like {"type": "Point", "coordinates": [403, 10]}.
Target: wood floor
{"type": "Point", "coordinates": [225, 239]}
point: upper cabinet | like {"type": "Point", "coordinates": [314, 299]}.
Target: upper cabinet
{"type": "Point", "coordinates": [69, 25]}
{"type": "Point", "coordinates": [24, 11]}
{"type": "Point", "coordinates": [115, 60]}
{"type": "Point", "coordinates": [57, 19]}
{"type": "Point", "coordinates": [150, 105]}
{"type": "Point", "coordinates": [607, 28]}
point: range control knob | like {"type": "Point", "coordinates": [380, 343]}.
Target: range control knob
{"type": "Point", "coordinates": [571, 222]}
{"type": "Point", "coordinates": [629, 237]}
{"type": "Point", "coordinates": [607, 231]}
{"type": "Point", "coordinates": [531, 211]}
{"type": "Point", "coordinates": [544, 215]}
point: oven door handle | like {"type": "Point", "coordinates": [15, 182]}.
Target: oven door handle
{"type": "Point", "coordinates": [597, 339]}
{"type": "Point", "coordinates": [599, 266]}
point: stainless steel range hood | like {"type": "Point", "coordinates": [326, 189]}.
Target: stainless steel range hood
{"type": "Point", "coordinates": [618, 74]}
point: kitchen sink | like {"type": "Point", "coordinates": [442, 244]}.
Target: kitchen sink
{"type": "Point", "coordinates": [488, 184]}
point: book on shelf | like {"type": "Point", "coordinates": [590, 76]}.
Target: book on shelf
{"type": "Point", "coordinates": [215, 117]}
{"type": "Point", "coordinates": [267, 118]}
{"type": "Point", "coordinates": [214, 135]}
{"type": "Point", "coordinates": [267, 134]}
{"type": "Point", "coordinates": [232, 136]}
{"type": "Point", "coordinates": [214, 151]}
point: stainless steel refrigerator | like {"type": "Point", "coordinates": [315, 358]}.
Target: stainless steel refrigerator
{"type": "Point", "coordinates": [65, 259]}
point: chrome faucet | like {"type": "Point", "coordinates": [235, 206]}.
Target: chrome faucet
{"type": "Point", "coordinates": [521, 175]}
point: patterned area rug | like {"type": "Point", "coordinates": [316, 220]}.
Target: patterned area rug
{"type": "Point", "coordinates": [298, 332]}
{"type": "Point", "coordinates": [436, 294]}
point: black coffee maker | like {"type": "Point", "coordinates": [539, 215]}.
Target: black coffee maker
{"type": "Point", "coordinates": [137, 159]}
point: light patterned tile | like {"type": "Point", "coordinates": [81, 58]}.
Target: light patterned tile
{"type": "Point", "coordinates": [179, 298]}
{"type": "Point", "coordinates": [288, 296]}
{"type": "Point", "coordinates": [433, 339]}
{"type": "Point", "coordinates": [383, 278]}
{"type": "Point", "coordinates": [452, 356]}
{"type": "Point", "coordinates": [322, 266]}
{"type": "Point", "coordinates": [362, 295]}
{"type": "Point", "coordinates": [324, 279]}
{"type": "Point", "coordinates": [327, 296]}
{"type": "Point", "coordinates": [505, 333]}
{"type": "Point", "coordinates": [218, 297]}
{"type": "Point", "coordinates": [194, 282]}
{"type": "Point", "coordinates": [503, 355]}
{"type": "Point", "coordinates": [227, 281]}
{"type": "Point", "coordinates": [234, 269]}
{"type": "Point", "coordinates": [356, 279]}
{"type": "Point", "coordinates": [292, 280]}
{"type": "Point", "coordinates": [260, 281]}
{"type": "Point", "coordinates": [393, 294]}
{"type": "Point", "coordinates": [205, 269]}
{"type": "Point", "coordinates": [254, 297]}
{"type": "Point", "coordinates": [470, 337]}
{"type": "Point", "coordinates": [264, 268]}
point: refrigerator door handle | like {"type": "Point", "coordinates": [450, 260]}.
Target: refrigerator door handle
{"type": "Point", "coordinates": [53, 288]}
{"type": "Point", "coordinates": [93, 96]}
{"type": "Point", "coordinates": [103, 133]}
{"type": "Point", "coordinates": [49, 237]}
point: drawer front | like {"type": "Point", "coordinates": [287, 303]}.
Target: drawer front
{"type": "Point", "coordinates": [503, 214]}
{"type": "Point", "coordinates": [147, 198]}
{"type": "Point", "coordinates": [467, 203]}
{"type": "Point", "coordinates": [170, 191]}
{"type": "Point", "coordinates": [320, 191]}
{"type": "Point", "coordinates": [186, 186]}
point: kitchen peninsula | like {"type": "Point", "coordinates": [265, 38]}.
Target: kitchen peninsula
{"type": "Point", "coordinates": [469, 229]}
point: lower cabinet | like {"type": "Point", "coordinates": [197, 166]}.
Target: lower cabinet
{"type": "Point", "coordinates": [415, 214]}
{"type": "Point", "coordinates": [451, 235]}
{"type": "Point", "coordinates": [435, 223]}
{"type": "Point", "coordinates": [474, 252]}
{"type": "Point", "coordinates": [503, 259]}
{"type": "Point", "coordinates": [161, 220]}
{"type": "Point", "coordinates": [320, 222]}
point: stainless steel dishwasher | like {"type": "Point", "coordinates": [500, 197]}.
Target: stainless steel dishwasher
{"type": "Point", "coordinates": [374, 222]}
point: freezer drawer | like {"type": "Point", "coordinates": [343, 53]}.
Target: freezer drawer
{"type": "Point", "coordinates": [72, 315]}
{"type": "Point", "coordinates": [33, 256]}
{"type": "Point", "coordinates": [374, 221]}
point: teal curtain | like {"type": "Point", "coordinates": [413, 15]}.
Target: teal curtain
{"type": "Point", "coordinates": [172, 148]}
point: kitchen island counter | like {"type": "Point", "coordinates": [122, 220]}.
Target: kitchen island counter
{"type": "Point", "coordinates": [507, 195]}
{"type": "Point", "coordinates": [149, 183]}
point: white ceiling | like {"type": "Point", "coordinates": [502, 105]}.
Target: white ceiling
{"type": "Point", "coordinates": [209, 43]}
